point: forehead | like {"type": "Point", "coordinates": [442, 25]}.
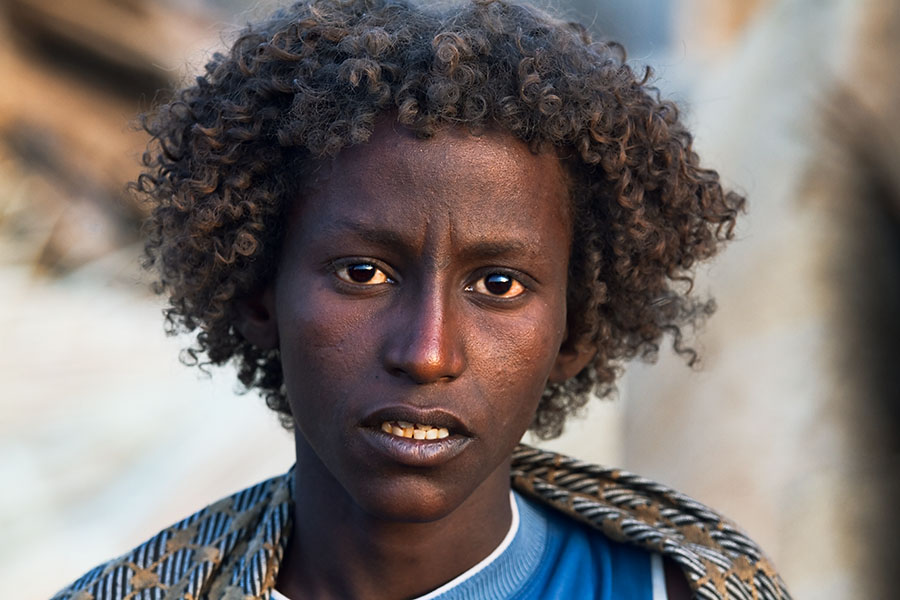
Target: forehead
{"type": "Point", "coordinates": [491, 155]}
{"type": "Point", "coordinates": [472, 185]}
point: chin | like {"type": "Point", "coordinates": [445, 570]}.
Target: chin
{"type": "Point", "coordinates": [409, 501]}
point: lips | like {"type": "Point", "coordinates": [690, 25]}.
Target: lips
{"type": "Point", "coordinates": [415, 437]}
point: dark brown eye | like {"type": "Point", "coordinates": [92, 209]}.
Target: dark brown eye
{"type": "Point", "coordinates": [363, 273]}
{"type": "Point", "coordinates": [499, 285]}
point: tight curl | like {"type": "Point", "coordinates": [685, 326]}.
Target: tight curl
{"type": "Point", "coordinates": [228, 152]}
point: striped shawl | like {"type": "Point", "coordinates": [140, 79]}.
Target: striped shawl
{"type": "Point", "coordinates": [231, 550]}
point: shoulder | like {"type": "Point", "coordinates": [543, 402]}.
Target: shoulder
{"type": "Point", "coordinates": [227, 542]}
{"type": "Point", "coordinates": [717, 559]}
{"type": "Point", "coordinates": [578, 561]}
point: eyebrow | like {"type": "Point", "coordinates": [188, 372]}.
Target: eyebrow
{"type": "Point", "coordinates": [375, 235]}
{"type": "Point", "coordinates": [494, 249]}
{"type": "Point", "coordinates": [392, 238]}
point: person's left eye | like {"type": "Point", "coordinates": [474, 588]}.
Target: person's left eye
{"type": "Point", "coordinates": [362, 274]}
{"type": "Point", "coordinates": [497, 285]}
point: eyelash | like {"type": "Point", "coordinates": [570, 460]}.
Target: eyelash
{"type": "Point", "coordinates": [342, 271]}
{"type": "Point", "coordinates": [516, 284]}
{"type": "Point", "coordinates": [344, 267]}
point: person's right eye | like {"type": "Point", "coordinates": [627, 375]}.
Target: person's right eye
{"type": "Point", "coordinates": [362, 273]}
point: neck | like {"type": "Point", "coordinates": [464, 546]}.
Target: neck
{"type": "Point", "coordinates": [339, 550]}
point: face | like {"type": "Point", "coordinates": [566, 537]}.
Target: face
{"type": "Point", "coordinates": [421, 292]}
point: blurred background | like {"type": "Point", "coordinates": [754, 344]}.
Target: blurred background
{"type": "Point", "coordinates": [790, 427]}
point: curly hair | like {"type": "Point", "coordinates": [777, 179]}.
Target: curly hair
{"type": "Point", "coordinates": [227, 151]}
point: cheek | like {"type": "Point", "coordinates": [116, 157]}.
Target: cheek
{"type": "Point", "coordinates": [518, 362]}
{"type": "Point", "coordinates": [320, 344]}
{"type": "Point", "coordinates": [534, 341]}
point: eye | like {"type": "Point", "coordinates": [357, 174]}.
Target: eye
{"type": "Point", "coordinates": [362, 273]}
{"type": "Point", "coordinates": [498, 285]}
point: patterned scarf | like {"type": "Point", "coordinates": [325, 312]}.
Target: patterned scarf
{"type": "Point", "coordinates": [231, 550]}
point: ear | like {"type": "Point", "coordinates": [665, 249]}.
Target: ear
{"type": "Point", "coordinates": [569, 362]}
{"type": "Point", "coordinates": [256, 318]}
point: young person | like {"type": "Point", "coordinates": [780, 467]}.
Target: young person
{"type": "Point", "coordinates": [419, 232]}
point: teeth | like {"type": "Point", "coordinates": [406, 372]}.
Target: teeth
{"type": "Point", "coordinates": [418, 431]}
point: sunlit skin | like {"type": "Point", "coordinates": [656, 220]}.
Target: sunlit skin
{"type": "Point", "coordinates": [421, 273]}
{"type": "Point", "coordinates": [415, 275]}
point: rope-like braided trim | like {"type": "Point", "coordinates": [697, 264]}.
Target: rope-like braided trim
{"type": "Point", "coordinates": [719, 560]}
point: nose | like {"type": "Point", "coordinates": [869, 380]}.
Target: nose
{"type": "Point", "coordinates": [425, 344]}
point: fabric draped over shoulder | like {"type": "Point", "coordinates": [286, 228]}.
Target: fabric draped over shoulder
{"type": "Point", "coordinates": [717, 558]}
{"type": "Point", "coordinates": [232, 549]}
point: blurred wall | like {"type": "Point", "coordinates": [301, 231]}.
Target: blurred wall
{"type": "Point", "coordinates": [104, 437]}
{"type": "Point", "coordinates": [790, 427]}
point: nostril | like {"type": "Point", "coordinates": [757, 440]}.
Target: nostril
{"type": "Point", "coordinates": [423, 376]}
{"type": "Point", "coordinates": [426, 371]}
